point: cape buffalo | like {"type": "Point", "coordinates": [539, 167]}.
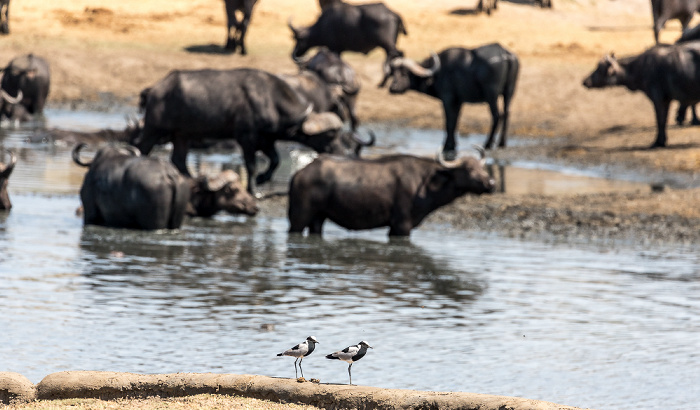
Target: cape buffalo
{"type": "Point", "coordinates": [457, 76]}
{"type": "Point", "coordinates": [223, 192]}
{"type": "Point", "coordinates": [253, 107]}
{"type": "Point", "coordinates": [4, 16]}
{"type": "Point", "coordinates": [125, 190]}
{"type": "Point", "coordinates": [5, 172]}
{"type": "Point", "coordinates": [664, 73]}
{"type": "Point", "coordinates": [236, 39]}
{"type": "Point", "coordinates": [347, 27]}
{"type": "Point", "coordinates": [340, 76]}
{"type": "Point", "coordinates": [397, 191]}
{"type": "Point", "coordinates": [664, 10]}
{"type": "Point", "coordinates": [25, 81]}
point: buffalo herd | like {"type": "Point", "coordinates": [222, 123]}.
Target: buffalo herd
{"type": "Point", "coordinates": [126, 188]}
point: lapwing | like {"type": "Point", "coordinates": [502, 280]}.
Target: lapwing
{"type": "Point", "coordinates": [351, 354]}
{"type": "Point", "coordinates": [300, 351]}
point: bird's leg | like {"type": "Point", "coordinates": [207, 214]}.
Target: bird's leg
{"type": "Point", "coordinates": [350, 374]}
{"type": "Point", "coordinates": [296, 375]}
{"type": "Point", "coordinates": [301, 359]}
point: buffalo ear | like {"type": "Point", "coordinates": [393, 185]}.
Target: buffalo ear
{"type": "Point", "coordinates": [319, 123]}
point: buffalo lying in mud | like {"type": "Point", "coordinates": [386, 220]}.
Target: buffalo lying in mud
{"type": "Point", "coordinates": [253, 107]}
{"type": "Point", "coordinates": [397, 191]}
{"type": "Point", "coordinates": [122, 189]}
{"type": "Point", "coordinates": [346, 27]}
{"type": "Point", "coordinates": [664, 10]}
{"type": "Point", "coordinates": [235, 28]}
{"type": "Point", "coordinates": [25, 82]}
{"type": "Point", "coordinates": [664, 73]}
{"type": "Point", "coordinates": [340, 77]}
{"type": "Point", "coordinates": [457, 76]}
{"type": "Point", "coordinates": [5, 172]}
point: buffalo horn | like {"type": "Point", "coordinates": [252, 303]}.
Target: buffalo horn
{"type": "Point", "coordinates": [130, 149]}
{"type": "Point", "coordinates": [319, 123]}
{"type": "Point", "coordinates": [482, 153]}
{"type": "Point", "coordinates": [218, 182]}
{"type": "Point", "coordinates": [447, 164]}
{"type": "Point", "coordinates": [76, 155]}
{"type": "Point", "coordinates": [11, 100]}
{"type": "Point", "coordinates": [370, 143]}
{"type": "Point", "coordinates": [8, 169]}
{"type": "Point", "coordinates": [291, 26]}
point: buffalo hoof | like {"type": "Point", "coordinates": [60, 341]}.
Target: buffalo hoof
{"type": "Point", "coordinates": [657, 145]}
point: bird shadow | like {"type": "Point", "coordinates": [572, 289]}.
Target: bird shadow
{"type": "Point", "coordinates": [208, 49]}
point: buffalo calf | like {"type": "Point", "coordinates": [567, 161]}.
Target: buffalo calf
{"type": "Point", "coordinates": [397, 191]}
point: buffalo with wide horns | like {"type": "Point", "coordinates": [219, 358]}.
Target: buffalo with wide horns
{"type": "Point", "coordinates": [397, 191]}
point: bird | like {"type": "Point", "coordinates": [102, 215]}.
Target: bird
{"type": "Point", "coordinates": [300, 351]}
{"type": "Point", "coordinates": [351, 354]}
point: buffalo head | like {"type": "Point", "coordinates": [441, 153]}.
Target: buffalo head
{"type": "Point", "coordinates": [303, 43]}
{"type": "Point", "coordinates": [5, 172]}
{"type": "Point", "coordinates": [323, 132]}
{"type": "Point", "coordinates": [223, 192]}
{"type": "Point", "coordinates": [607, 73]}
{"type": "Point", "coordinates": [333, 70]}
{"type": "Point", "coordinates": [467, 173]}
{"type": "Point", "coordinates": [407, 74]}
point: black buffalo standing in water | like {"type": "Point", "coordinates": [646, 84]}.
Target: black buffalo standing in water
{"type": "Point", "coordinates": [5, 172]}
{"type": "Point", "coordinates": [347, 27]}
{"type": "Point", "coordinates": [125, 190]}
{"type": "Point", "coordinates": [236, 28]}
{"type": "Point", "coordinates": [664, 73]}
{"type": "Point", "coordinates": [253, 107]}
{"type": "Point", "coordinates": [397, 191]}
{"type": "Point", "coordinates": [25, 82]}
{"type": "Point", "coordinates": [457, 76]}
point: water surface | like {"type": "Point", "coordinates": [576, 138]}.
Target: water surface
{"type": "Point", "coordinates": [602, 325]}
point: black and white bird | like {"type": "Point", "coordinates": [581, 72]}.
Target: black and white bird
{"type": "Point", "coordinates": [300, 351]}
{"type": "Point", "coordinates": [351, 354]}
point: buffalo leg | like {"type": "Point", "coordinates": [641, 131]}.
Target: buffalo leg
{"type": "Point", "coordinates": [231, 22]}
{"type": "Point", "coordinates": [451, 116]}
{"type": "Point", "coordinates": [242, 29]}
{"type": "Point", "coordinates": [661, 108]}
{"type": "Point", "coordinates": [316, 225]}
{"type": "Point", "coordinates": [495, 118]}
{"type": "Point", "coordinates": [506, 112]}
{"type": "Point", "coordinates": [249, 159]}
{"type": "Point", "coordinates": [179, 155]}
{"type": "Point", "coordinates": [271, 153]}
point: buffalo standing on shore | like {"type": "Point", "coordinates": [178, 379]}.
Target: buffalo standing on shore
{"type": "Point", "coordinates": [397, 191]}
{"type": "Point", "coordinates": [459, 75]}
{"type": "Point", "coordinates": [253, 107]}
{"type": "Point", "coordinates": [664, 10]}
{"type": "Point", "coordinates": [5, 172]}
{"type": "Point", "coordinates": [24, 87]}
{"type": "Point", "coordinates": [347, 27]}
{"type": "Point", "coordinates": [664, 73]}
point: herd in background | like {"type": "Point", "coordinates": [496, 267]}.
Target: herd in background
{"type": "Point", "coordinates": [194, 108]}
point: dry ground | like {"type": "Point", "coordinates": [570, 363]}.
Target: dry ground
{"type": "Point", "coordinates": [200, 401]}
{"type": "Point", "coordinates": [106, 52]}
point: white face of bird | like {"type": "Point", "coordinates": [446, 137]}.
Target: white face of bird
{"type": "Point", "coordinates": [365, 344]}
{"type": "Point", "coordinates": [312, 339]}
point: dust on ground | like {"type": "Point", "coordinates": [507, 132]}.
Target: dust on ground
{"type": "Point", "coordinates": [103, 52]}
